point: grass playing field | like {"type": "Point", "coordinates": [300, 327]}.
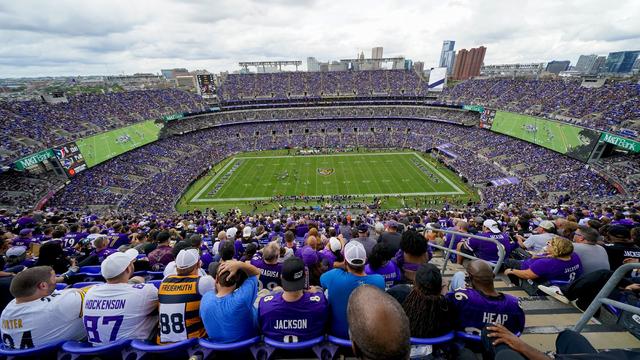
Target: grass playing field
{"type": "Point", "coordinates": [563, 138]}
{"type": "Point", "coordinates": [257, 177]}
{"type": "Point", "coordinates": [102, 147]}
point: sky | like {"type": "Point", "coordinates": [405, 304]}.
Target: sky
{"type": "Point", "coordinates": [95, 37]}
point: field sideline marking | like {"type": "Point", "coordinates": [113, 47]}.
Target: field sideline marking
{"type": "Point", "coordinates": [197, 199]}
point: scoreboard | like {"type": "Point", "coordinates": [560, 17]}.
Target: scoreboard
{"type": "Point", "coordinates": [206, 86]}
{"type": "Point", "coordinates": [70, 158]}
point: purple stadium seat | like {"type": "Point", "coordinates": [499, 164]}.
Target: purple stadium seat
{"type": "Point", "coordinates": [80, 285]}
{"type": "Point", "coordinates": [40, 352]}
{"type": "Point", "coordinates": [76, 349]}
{"type": "Point", "coordinates": [322, 349]}
{"type": "Point", "coordinates": [207, 347]}
{"type": "Point", "coordinates": [60, 286]}
{"type": "Point", "coordinates": [339, 341]}
{"type": "Point", "coordinates": [154, 275]}
{"type": "Point", "coordinates": [433, 341]}
{"type": "Point", "coordinates": [179, 349]}
{"type": "Point", "coordinates": [155, 283]}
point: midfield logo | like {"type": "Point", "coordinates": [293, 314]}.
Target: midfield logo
{"type": "Point", "coordinates": [326, 171]}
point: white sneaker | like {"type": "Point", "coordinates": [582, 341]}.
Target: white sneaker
{"type": "Point", "coordinates": [554, 292]}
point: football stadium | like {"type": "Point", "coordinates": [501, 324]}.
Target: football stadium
{"type": "Point", "coordinates": [226, 180]}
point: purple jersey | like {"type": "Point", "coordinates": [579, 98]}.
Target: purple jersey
{"type": "Point", "coordinates": [474, 310]}
{"type": "Point", "coordinates": [327, 257]}
{"type": "Point", "coordinates": [487, 250]}
{"type": "Point", "coordinates": [71, 239]}
{"type": "Point", "coordinates": [102, 254]}
{"type": "Point", "coordinates": [22, 241]}
{"type": "Point", "coordinates": [296, 321]}
{"type": "Point", "coordinates": [269, 273]}
{"type": "Point", "coordinates": [550, 268]}
{"type": "Point", "coordinates": [389, 271]}
{"type": "Point", "coordinates": [117, 239]}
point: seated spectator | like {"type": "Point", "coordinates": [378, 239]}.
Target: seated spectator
{"type": "Point", "coordinates": [541, 236]}
{"type": "Point", "coordinates": [414, 251]}
{"type": "Point", "coordinates": [119, 310]}
{"type": "Point", "coordinates": [378, 326]}
{"type": "Point", "coordinates": [339, 284]}
{"type": "Point", "coordinates": [101, 250]}
{"type": "Point", "coordinates": [483, 249]}
{"type": "Point", "coordinates": [25, 238]}
{"type": "Point", "coordinates": [561, 264]}
{"type": "Point", "coordinates": [592, 256]}
{"type": "Point", "coordinates": [228, 314]}
{"type": "Point", "coordinates": [460, 226]}
{"type": "Point", "coordinates": [481, 304]}
{"type": "Point", "coordinates": [331, 255]}
{"type": "Point", "coordinates": [163, 254]}
{"type": "Point", "coordinates": [39, 314]}
{"type": "Point", "coordinates": [295, 314]}
{"type": "Point", "coordinates": [171, 268]}
{"type": "Point", "coordinates": [290, 241]}
{"type": "Point", "coordinates": [51, 254]}
{"type": "Point", "coordinates": [380, 263]}
{"type": "Point", "coordinates": [619, 246]}
{"type": "Point", "coordinates": [17, 259]}
{"type": "Point", "coordinates": [270, 268]}
{"type": "Point", "coordinates": [241, 244]}
{"type": "Point", "coordinates": [179, 297]}
{"type": "Point", "coordinates": [428, 310]}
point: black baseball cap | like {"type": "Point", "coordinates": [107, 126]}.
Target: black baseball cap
{"type": "Point", "coordinates": [363, 228]}
{"type": "Point", "coordinates": [293, 274]}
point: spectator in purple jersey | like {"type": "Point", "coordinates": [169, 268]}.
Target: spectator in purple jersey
{"type": "Point", "coordinates": [262, 236]}
{"type": "Point", "coordinates": [100, 252]}
{"type": "Point", "coordinates": [276, 232]}
{"type": "Point", "coordinates": [270, 268]}
{"type": "Point", "coordinates": [25, 238]}
{"type": "Point", "coordinates": [561, 263]}
{"type": "Point", "coordinates": [380, 263]}
{"type": "Point", "coordinates": [483, 249]}
{"type": "Point", "coordinates": [414, 251]}
{"type": "Point", "coordinates": [480, 304]}
{"type": "Point", "coordinates": [378, 327]}
{"type": "Point", "coordinates": [290, 241]}
{"type": "Point", "coordinates": [295, 314]}
{"type": "Point", "coordinates": [463, 227]}
{"type": "Point", "coordinates": [117, 236]}
{"type": "Point", "coordinates": [73, 237]}
{"type": "Point", "coordinates": [163, 254]}
{"type": "Point", "coordinates": [331, 256]}
{"type": "Point", "coordinates": [428, 310]}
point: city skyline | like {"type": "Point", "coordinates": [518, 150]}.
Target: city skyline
{"type": "Point", "coordinates": [111, 37]}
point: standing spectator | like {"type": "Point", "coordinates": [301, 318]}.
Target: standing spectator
{"type": "Point", "coordinates": [414, 251]}
{"type": "Point", "coordinates": [483, 249]}
{"type": "Point", "coordinates": [391, 237]}
{"type": "Point", "coordinates": [229, 314]}
{"type": "Point", "coordinates": [40, 315]}
{"type": "Point", "coordinates": [119, 310]}
{"type": "Point", "coordinates": [339, 284]}
{"type": "Point", "coordinates": [619, 246]}
{"type": "Point", "coordinates": [331, 255]}
{"type": "Point", "coordinates": [163, 254]}
{"type": "Point", "coordinates": [295, 314]}
{"type": "Point", "coordinates": [378, 326]}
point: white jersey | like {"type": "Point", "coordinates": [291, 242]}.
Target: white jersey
{"type": "Point", "coordinates": [120, 311]}
{"type": "Point", "coordinates": [53, 318]}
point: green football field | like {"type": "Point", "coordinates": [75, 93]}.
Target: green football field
{"type": "Point", "coordinates": [550, 134]}
{"type": "Point", "coordinates": [258, 177]}
{"type": "Point", "coordinates": [102, 147]}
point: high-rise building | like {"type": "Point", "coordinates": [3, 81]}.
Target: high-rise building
{"type": "Point", "coordinates": [468, 63]}
{"type": "Point", "coordinates": [621, 61]}
{"type": "Point", "coordinates": [376, 52]}
{"type": "Point", "coordinates": [555, 66]}
{"type": "Point", "coordinates": [313, 64]}
{"type": "Point", "coordinates": [599, 65]}
{"type": "Point", "coordinates": [585, 63]}
{"type": "Point", "coordinates": [448, 55]}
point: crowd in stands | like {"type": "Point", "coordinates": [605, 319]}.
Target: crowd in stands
{"type": "Point", "coordinates": [31, 126]}
{"type": "Point", "coordinates": [292, 276]}
{"type": "Point", "coordinates": [602, 108]}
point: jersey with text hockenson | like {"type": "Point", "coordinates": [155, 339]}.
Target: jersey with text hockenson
{"type": "Point", "coordinates": [179, 314]}
{"type": "Point", "coordinates": [296, 321]}
{"type": "Point", "coordinates": [474, 310]}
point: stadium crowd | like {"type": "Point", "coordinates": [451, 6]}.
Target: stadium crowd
{"type": "Point", "coordinates": [289, 276]}
{"type": "Point", "coordinates": [27, 125]}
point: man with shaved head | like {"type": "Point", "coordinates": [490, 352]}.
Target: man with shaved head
{"type": "Point", "coordinates": [480, 304]}
{"type": "Point", "coordinates": [378, 326]}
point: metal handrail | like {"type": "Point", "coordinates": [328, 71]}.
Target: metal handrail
{"type": "Point", "coordinates": [449, 250]}
{"type": "Point", "coordinates": [602, 297]}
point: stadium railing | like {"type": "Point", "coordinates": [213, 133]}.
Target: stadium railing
{"type": "Point", "coordinates": [603, 297]}
{"type": "Point", "coordinates": [449, 249]}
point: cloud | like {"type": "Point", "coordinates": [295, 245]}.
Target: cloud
{"type": "Point", "coordinates": [73, 37]}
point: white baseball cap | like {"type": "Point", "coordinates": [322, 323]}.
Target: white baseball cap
{"type": "Point", "coordinates": [491, 225]}
{"type": "Point", "coordinates": [335, 244]}
{"type": "Point", "coordinates": [355, 254]}
{"type": "Point", "coordinates": [16, 251]}
{"type": "Point", "coordinates": [231, 233]}
{"type": "Point", "coordinates": [246, 232]}
{"type": "Point", "coordinates": [116, 263]}
{"type": "Point", "coordinates": [187, 258]}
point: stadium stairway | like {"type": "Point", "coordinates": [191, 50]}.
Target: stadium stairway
{"type": "Point", "coordinates": [546, 317]}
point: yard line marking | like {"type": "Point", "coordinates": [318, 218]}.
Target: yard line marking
{"type": "Point", "coordinates": [358, 195]}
